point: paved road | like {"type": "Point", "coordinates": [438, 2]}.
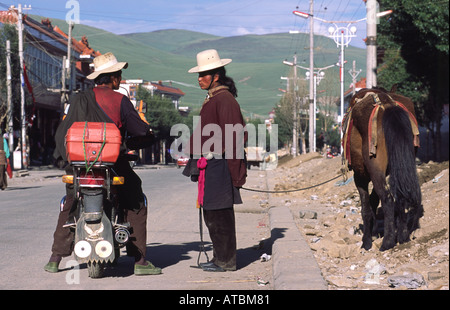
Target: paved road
{"type": "Point", "coordinates": [29, 209]}
{"type": "Point", "coordinates": [28, 213]}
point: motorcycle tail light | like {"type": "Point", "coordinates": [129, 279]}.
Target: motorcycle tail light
{"type": "Point", "coordinates": [118, 181]}
{"type": "Point", "coordinates": [94, 179]}
{"type": "Point", "coordinates": [67, 178]}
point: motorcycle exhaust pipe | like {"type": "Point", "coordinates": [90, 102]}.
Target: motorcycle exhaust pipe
{"type": "Point", "coordinates": [122, 235]}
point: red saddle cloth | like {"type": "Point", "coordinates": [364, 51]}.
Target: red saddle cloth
{"type": "Point", "coordinates": [347, 124]}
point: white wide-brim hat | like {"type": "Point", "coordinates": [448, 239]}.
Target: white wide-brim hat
{"type": "Point", "coordinates": [208, 60]}
{"type": "Point", "coordinates": [105, 64]}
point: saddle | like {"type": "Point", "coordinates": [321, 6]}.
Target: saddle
{"type": "Point", "coordinates": [347, 124]}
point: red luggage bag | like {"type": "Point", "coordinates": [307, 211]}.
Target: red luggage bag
{"type": "Point", "coordinates": [93, 143]}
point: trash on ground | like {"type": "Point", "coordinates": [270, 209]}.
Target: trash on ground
{"type": "Point", "coordinates": [436, 179]}
{"type": "Point", "coordinates": [265, 257]}
{"type": "Point", "coordinates": [312, 215]}
{"type": "Point", "coordinates": [262, 282]}
{"type": "Point", "coordinates": [346, 202]}
{"type": "Point", "coordinates": [341, 183]}
{"type": "Point", "coordinates": [374, 270]}
{"type": "Point", "coordinates": [408, 280]}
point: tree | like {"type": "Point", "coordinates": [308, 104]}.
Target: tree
{"type": "Point", "coordinates": [161, 114]}
{"type": "Point", "coordinates": [284, 119]}
{"type": "Point", "coordinates": [284, 114]}
{"type": "Point", "coordinates": [414, 40]}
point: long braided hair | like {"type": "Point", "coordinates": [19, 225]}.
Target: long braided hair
{"type": "Point", "coordinates": [225, 80]}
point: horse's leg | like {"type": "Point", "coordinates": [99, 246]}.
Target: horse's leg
{"type": "Point", "coordinates": [368, 216]}
{"type": "Point", "coordinates": [377, 170]}
{"type": "Point", "coordinates": [414, 214]}
{"type": "Point", "coordinates": [374, 202]}
{"type": "Point", "coordinates": [387, 203]}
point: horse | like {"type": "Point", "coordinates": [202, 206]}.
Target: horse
{"type": "Point", "coordinates": [381, 140]}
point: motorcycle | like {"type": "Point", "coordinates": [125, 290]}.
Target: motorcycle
{"type": "Point", "coordinates": [98, 224]}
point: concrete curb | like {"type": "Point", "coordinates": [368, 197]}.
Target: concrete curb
{"type": "Point", "coordinates": [294, 266]}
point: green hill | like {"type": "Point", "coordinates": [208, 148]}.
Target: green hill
{"type": "Point", "coordinates": [256, 67]}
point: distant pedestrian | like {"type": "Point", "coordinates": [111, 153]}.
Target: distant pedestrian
{"type": "Point", "coordinates": [224, 170]}
{"type": "Point", "coordinates": [4, 158]}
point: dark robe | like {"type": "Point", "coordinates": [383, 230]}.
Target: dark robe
{"type": "Point", "coordinates": [226, 171]}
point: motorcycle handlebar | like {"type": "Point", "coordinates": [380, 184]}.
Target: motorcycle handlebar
{"type": "Point", "coordinates": [130, 157]}
{"type": "Point", "coordinates": [141, 142]}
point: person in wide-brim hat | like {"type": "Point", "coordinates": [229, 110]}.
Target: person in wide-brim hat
{"type": "Point", "coordinates": [106, 63]}
{"type": "Point", "coordinates": [209, 60]}
{"type": "Point", "coordinates": [222, 160]}
{"type": "Point", "coordinates": [104, 104]}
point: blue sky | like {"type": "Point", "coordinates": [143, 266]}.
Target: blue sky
{"type": "Point", "coordinates": [219, 17]}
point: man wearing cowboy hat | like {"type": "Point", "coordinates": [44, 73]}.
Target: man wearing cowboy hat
{"type": "Point", "coordinates": [225, 172]}
{"type": "Point", "coordinates": [103, 104]}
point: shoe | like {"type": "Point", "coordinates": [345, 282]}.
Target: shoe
{"type": "Point", "coordinates": [207, 264]}
{"type": "Point", "coordinates": [211, 267]}
{"type": "Point", "coordinates": [51, 267]}
{"type": "Point", "coordinates": [148, 269]}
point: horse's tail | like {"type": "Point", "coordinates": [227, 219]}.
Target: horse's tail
{"type": "Point", "coordinates": [403, 180]}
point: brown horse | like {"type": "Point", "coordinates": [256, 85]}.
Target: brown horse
{"type": "Point", "coordinates": [380, 142]}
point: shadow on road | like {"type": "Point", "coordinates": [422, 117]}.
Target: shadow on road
{"type": "Point", "coordinates": [165, 255]}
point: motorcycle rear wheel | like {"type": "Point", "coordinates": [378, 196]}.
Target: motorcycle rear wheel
{"type": "Point", "coordinates": [95, 269]}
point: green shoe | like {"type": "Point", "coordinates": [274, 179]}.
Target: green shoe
{"type": "Point", "coordinates": [148, 269]}
{"type": "Point", "coordinates": [51, 267]}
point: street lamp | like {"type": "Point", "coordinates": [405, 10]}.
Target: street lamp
{"type": "Point", "coordinates": [342, 36]}
{"type": "Point", "coordinates": [318, 76]}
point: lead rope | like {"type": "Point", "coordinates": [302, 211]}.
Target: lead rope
{"type": "Point", "coordinates": [202, 244]}
{"type": "Point", "coordinates": [290, 190]}
{"type": "Point", "coordinates": [86, 162]}
{"type": "Point", "coordinates": [201, 165]}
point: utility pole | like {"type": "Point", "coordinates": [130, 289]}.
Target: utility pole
{"type": "Point", "coordinates": [312, 114]}
{"type": "Point", "coordinates": [371, 42]}
{"type": "Point", "coordinates": [9, 118]}
{"type": "Point", "coordinates": [23, 146]}
{"type": "Point", "coordinates": [63, 86]}
{"type": "Point", "coordinates": [311, 71]}
{"type": "Point", "coordinates": [66, 77]}
{"type": "Point", "coordinates": [294, 111]}
{"type": "Point", "coordinates": [294, 108]}
{"type": "Point", "coordinates": [354, 75]}
{"type": "Point", "coordinates": [69, 57]}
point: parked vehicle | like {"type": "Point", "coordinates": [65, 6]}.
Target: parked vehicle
{"type": "Point", "coordinates": [255, 155]}
{"type": "Point", "coordinates": [182, 161]}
